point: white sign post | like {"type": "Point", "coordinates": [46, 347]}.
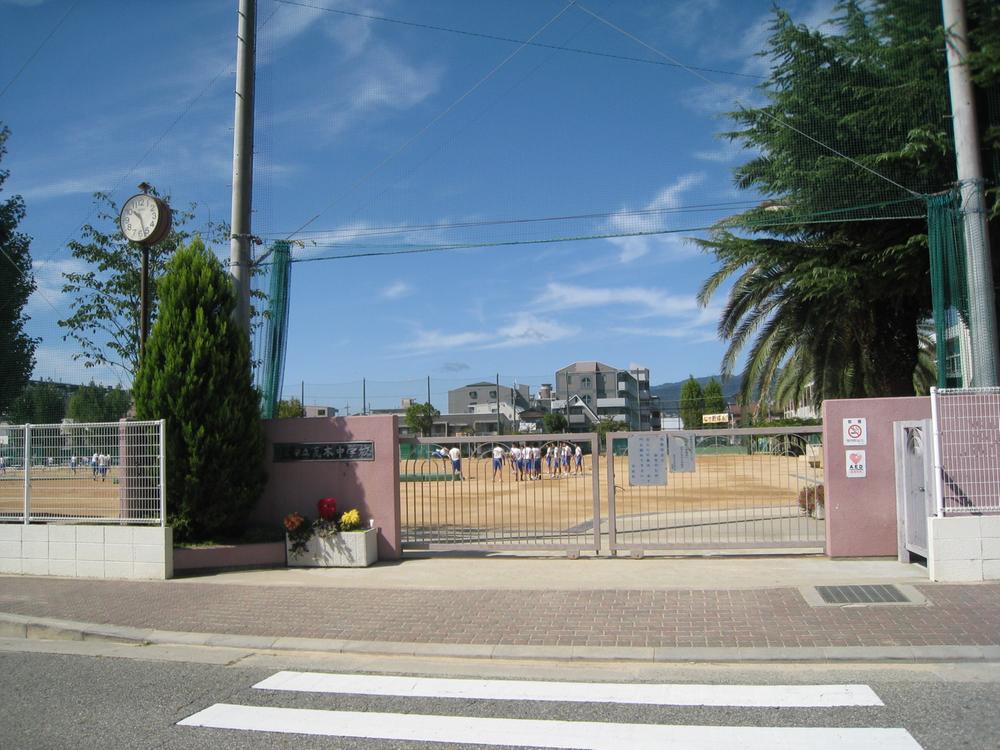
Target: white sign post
{"type": "Point", "coordinates": [647, 459]}
{"type": "Point", "coordinates": [856, 431]}
{"type": "Point", "coordinates": [857, 464]}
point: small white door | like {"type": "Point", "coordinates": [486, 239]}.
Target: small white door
{"type": "Point", "coordinates": [914, 489]}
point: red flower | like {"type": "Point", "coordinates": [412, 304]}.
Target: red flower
{"type": "Point", "coordinates": [293, 521]}
{"type": "Point", "coordinates": [327, 508]}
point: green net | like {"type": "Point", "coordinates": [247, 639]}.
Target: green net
{"type": "Point", "coordinates": [274, 338]}
{"type": "Point", "coordinates": [949, 286]}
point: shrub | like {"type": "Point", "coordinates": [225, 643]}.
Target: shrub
{"type": "Point", "coordinates": [810, 497]}
{"type": "Point", "coordinates": [196, 376]}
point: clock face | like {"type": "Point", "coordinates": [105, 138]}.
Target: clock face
{"type": "Point", "coordinates": [140, 218]}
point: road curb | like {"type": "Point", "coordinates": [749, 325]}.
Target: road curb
{"type": "Point", "coordinates": [41, 628]}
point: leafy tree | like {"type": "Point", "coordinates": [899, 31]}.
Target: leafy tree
{"type": "Point", "coordinates": [692, 404]}
{"type": "Point", "coordinates": [196, 375]}
{"type": "Point", "coordinates": [554, 422]}
{"type": "Point", "coordinates": [715, 402]}
{"type": "Point", "coordinates": [289, 409]}
{"type": "Point", "coordinates": [42, 402]}
{"type": "Point", "coordinates": [17, 349]}
{"type": "Point", "coordinates": [106, 297]}
{"type": "Point", "coordinates": [95, 403]}
{"type": "Point", "coordinates": [605, 426]}
{"type": "Point", "coordinates": [420, 418]}
{"type": "Point", "coordinates": [836, 304]}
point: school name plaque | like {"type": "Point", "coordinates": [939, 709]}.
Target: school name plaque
{"type": "Point", "coordinates": [358, 450]}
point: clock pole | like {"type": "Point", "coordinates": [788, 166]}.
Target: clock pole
{"type": "Point", "coordinates": [144, 297]}
{"type": "Point", "coordinates": [239, 248]}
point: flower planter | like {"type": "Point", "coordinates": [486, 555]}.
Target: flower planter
{"type": "Point", "coordinates": [348, 549]}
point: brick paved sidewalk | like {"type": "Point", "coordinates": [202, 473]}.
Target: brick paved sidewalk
{"type": "Point", "coordinates": [954, 615]}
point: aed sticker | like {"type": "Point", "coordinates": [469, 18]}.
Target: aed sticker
{"type": "Point", "coordinates": [857, 464]}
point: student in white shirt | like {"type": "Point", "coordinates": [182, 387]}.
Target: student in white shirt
{"type": "Point", "coordinates": [497, 461]}
{"type": "Point", "coordinates": [456, 462]}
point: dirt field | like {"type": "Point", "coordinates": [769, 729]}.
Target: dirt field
{"type": "Point", "coordinates": [60, 492]}
{"type": "Point", "coordinates": [722, 482]}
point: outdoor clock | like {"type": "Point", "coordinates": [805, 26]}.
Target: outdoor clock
{"type": "Point", "coordinates": [145, 219]}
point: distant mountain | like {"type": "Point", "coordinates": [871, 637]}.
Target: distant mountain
{"type": "Point", "coordinates": [670, 393]}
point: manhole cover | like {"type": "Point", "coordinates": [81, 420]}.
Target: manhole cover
{"type": "Point", "coordinates": [876, 594]}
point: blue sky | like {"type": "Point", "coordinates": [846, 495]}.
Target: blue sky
{"type": "Point", "coordinates": [367, 130]}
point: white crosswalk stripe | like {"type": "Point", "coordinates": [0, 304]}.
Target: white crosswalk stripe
{"type": "Point", "coordinates": [578, 735]}
{"type": "Point", "coordinates": [471, 730]}
{"type": "Point", "coordinates": [755, 696]}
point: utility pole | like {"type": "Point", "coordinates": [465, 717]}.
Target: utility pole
{"type": "Point", "coordinates": [982, 307]}
{"type": "Point", "coordinates": [239, 248]}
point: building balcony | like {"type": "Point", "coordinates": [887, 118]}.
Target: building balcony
{"type": "Point", "coordinates": [611, 403]}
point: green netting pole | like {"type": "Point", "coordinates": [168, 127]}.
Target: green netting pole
{"type": "Point", "coordinates": [935, 244]}
{"type": "Point", "coordinates": [277, 328]}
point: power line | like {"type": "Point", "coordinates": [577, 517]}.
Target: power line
{"type": "Point", "coordinates": [38, 48]}
{"type": "Point", "coordinates": [497, 38]}
{"type": "Point", "coordinates": [436, 118]}
{"type": "Point", "coordinates": [148, 151]}
{"type": "Point", "coordinates": [403, 228]}
{"type": "Point", "coordinates": [834, 216]}
{"type": "Point", "coordinates": [782, 123]}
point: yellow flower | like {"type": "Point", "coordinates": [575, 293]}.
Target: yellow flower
{"type": "Point", "coordinates": [350, 520]}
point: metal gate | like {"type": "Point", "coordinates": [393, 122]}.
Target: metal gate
{"type": "Point", "coordinates": [493, 499]}
{"type": "Point", "coordinates": [914, 487]}
{"type": "Point", "coordinates": [716, 489]}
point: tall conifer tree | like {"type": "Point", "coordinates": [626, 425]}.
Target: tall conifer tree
{"type": "Point", "coordinates": [196, 375]}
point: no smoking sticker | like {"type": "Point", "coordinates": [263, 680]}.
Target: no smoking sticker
{"type": "Point", "coordinates": [856, 431]}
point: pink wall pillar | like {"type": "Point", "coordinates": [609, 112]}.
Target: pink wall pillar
{"type": "Point", "coordinates": [370, 486]}
{"type": "Point", "coordinates": [861, 512]}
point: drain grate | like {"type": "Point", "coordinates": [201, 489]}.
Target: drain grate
{"type": "Point", "coordinates": [876, 594]}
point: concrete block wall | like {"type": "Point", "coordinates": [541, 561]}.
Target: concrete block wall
{"type": "Point", "coordinates": [87, 551]}
{"type": "Point", "coordinates": [964, 548]}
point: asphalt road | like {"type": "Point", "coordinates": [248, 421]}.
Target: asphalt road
{"type": "Point", "coordinates": [98, 695]}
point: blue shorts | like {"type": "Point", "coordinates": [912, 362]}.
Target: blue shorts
{"type": "Point", "coordinates": [538, 464]}
{"type": "Point", "coordinates": [456, 465]}
{"type": "Point", "coordinates": [579, 460]}
{"type": "Point", "coordinates": [497, 463]}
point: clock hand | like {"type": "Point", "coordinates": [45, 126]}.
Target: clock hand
{"type": "Point", "coordinates": [141, 222]}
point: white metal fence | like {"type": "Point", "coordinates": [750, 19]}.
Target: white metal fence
{"type": "Point", "coordinates": [520, 492]}
{"type": "Point", "coordinates": [98, 472]}
{"type": "Point", "coordinates": [966, 425]}
{"type": "Point", "coordinates": [716, 489]}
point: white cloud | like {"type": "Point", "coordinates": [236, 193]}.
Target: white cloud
{"type": "Point", "coordinates": [48, 295]}
{"type": "Point", "coordinates": [650, 219]}
{"type": "Point", "coordinates": [514, 332]}
{"type": "Point", "coordinates": [396, 290]}
{"type": "Point", "coordinates": [637, 302]}
{"type": "Point", "coordinates": [727, 152]}
{"type": "Point", "coordinates": [290, 22]}
{"type": "Point", "coordinates": [681, 331]}
{"type": "Point", "coordinates": [380, 82]}
{"type": "Point", "coordinates": [83, 185]}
